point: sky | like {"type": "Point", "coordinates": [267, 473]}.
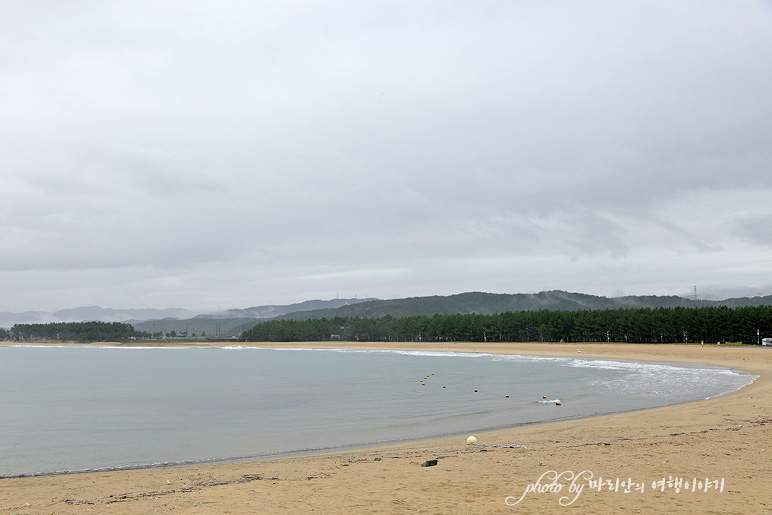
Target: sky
{"type": "Point", "coordinates": [215, 155]}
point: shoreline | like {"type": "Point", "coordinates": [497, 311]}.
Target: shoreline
{"type": "Point", "coordinates": [682, 440]}
{"type": "Point", "coordinates": [308, 452]}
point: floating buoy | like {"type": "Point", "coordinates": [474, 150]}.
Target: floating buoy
{"type": "Point", "coordinates": [471, 440]}
{"type": "Point", "coordinates": [507, 396]}
{"type": "Point", "coordinates": [544, 397]}
{"type": "Point", "coordinates": [443, 386]}
{"type": "Point", "coordinates": [475, 391]}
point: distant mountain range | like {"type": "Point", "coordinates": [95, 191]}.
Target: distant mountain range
{"type": "Point", "coordinates": [233, 321]}
{"type": "Point", "coordinates": [474, 302]}
{"type": "Point", "coordinates": [90, 313]}
{"type": "Point", "coordinates": [489, 303]}
{"type": "Point", "coordinates": [275, 311]}
{"type": "Point", "coordinates": [174, 319]}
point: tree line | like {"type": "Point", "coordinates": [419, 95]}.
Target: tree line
{"type": "Point", "coordinates": [642, 325]}
{"type": "Point", "coordinates": [75, 331]}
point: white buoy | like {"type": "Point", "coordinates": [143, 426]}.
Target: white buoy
{"type": "Point", "coordinates": [471, 440]}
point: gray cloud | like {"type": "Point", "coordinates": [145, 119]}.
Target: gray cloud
{"type": "Point", "coordinates": [204, 155]}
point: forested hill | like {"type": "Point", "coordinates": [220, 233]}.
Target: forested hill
{"type": "Point", "coordinates": [641, 325]}
{"type": "Point", "coordinates": [490, 303]}
{"type": "Point", "coordinates": [73, 331]}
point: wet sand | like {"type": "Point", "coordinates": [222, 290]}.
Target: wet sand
{"type": "Point", "coordinates": [727, 438]}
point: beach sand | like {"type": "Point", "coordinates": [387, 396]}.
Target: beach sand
{"type": "Point", "coordinates": [727, 438]}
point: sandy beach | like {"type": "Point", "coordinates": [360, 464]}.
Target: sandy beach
{"type": "Point", "coordinates": [723, 443]}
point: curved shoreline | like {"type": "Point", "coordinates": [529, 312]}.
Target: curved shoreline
{"type": "Point", "coordinates": [726, 436]}
{"type": "Point", "coordinates": [301, 452]}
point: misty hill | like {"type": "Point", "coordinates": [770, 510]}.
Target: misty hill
{"type": "Point", "coordinates": [211, 327]}
{"type": "Point", "coordinates": [89, 314]}
{"type": "Point", "coordinates": [490, 303]}
{"type": "Point", "coordinates": [234, 321]}
{"type": "Point", "coordinates": [95, 313]}
{"type": "Point", "coordinates": [272, 311]}
{"type": "Point", "coordinates": [463, 303]}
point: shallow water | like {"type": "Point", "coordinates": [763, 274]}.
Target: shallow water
{"type": "Point", "coordinates": [88, 408]}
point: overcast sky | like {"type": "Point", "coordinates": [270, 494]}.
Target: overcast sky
{"type": "Point", "coordinates": [213, 155]}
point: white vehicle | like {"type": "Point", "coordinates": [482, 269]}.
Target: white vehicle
{"type": "Point", "coordinates": [767, 342]}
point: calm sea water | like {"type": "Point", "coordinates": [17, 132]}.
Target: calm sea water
{"type": "Point", "coordinates": [91, 408]}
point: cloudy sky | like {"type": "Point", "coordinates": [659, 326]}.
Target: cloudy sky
{"type": "Point", "coordinates": [212, 155]}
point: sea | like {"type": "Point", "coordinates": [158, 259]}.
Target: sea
{"type": "Point", "coordinates": [79, 409]}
